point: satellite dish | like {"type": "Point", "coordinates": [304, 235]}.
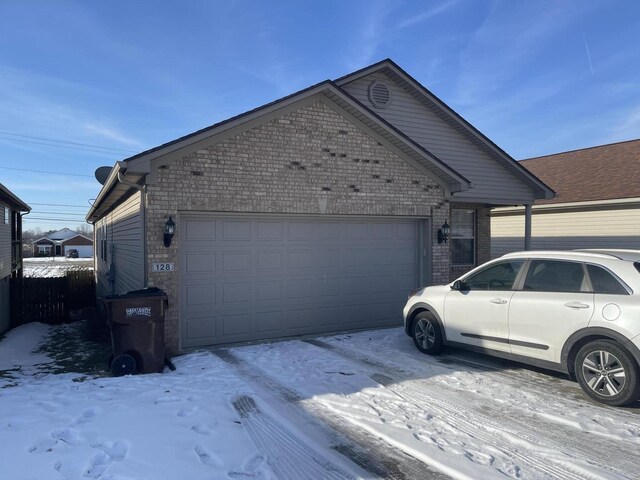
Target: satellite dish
{"type": "Point", "coordinates": [102, 173]}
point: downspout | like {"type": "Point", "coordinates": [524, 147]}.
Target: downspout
{"type": "Point", "coordinates": [143, 214]}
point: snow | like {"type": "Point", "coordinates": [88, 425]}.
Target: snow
{"type": "Point", "coordinates": [54, 266]}
{"type": "Point", "coordinates": [334, 407]}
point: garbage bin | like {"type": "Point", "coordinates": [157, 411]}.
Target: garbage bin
{"type": "Point", "coordinates": [136, 320]}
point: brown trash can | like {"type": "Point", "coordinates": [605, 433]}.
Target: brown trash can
{"type": "Point", "coordinates": [136, 320]}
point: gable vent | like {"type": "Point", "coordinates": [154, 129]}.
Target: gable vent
{"type": "Point", "coordinates": [379, 94]}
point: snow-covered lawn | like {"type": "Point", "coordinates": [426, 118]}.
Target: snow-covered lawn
{"type": "Point", "coordinates": [54, 266]}
{"type": "Point", "coordinates": [363, 405]}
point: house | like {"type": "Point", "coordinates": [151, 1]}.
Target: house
{"type": "Point", "coordinates": [59, 243]}
{"type": "Point", "coordinates": [317, 212]}
{"type": "Point", "coordinates": [597, 203]}
{"type": "Point", "coordinates": [11, 210]}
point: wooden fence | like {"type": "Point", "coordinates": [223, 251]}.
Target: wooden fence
{"type": "Point", "coordinates": [49, 300]}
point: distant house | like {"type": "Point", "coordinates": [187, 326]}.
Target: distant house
{"type": "Point", "coordinates": [11, 208]}
{"type": "Point", "coordinates": [597, 203]}
{"type": "Point", "coordinates": [59, 243]}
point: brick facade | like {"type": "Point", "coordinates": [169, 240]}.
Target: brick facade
{"type": "Point", "coordinates": [309, 161]}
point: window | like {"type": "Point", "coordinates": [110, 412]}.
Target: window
{"type": "Point", "coordinates": [463, 237]}
{"type": "Point", "coordinates": [496, 277]}
{"type": "Point", "coordinates": [44, 249]}
{"type": "Point", "coordinates": [604, 282]}
{"type": "Point", "coordinates": [7, 215]}
{"type": "Point", "coordinates": [555, 276]}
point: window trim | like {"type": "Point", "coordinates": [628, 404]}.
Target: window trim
{"type": "Point", "coordinates": [474, 214]}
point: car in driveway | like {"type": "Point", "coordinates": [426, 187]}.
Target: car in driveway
{"type": "Point", "coordinates": [72, 253]}
{"type": "Point", "coordinates": [576, 312]}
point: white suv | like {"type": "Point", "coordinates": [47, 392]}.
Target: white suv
{"type": "Point", "coordinates": [576, 312]}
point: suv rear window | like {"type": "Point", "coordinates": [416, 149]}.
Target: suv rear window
{"type": "Point", "coordinates": [603, 282]}
{"type": "Point", "coordinates": [554, 276]}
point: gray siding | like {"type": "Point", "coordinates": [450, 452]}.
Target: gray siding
{"type": "Point", "coordinates": [4, 305]}
{"type": "Point", "coordinates": [492, 182]}
{"type": "Point", "coordinates": [5, 245]}
{"type": "Point", "coordinates": [122, 228]}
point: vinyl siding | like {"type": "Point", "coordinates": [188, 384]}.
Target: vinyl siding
{"type": "Point", "coordinates": [5, 244]}
{"type": "Point", "coordinates": [567, 230]}
{"type": "Point", "coordinates": [492, 182]}
{"type": "Point", "coordinates": [122, 228]}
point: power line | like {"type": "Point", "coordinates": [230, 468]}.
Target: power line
{"type": "Point", "coordinates": [68, 142]}
{"type": "Point", "coordinates": [58, 205]}
{"type": "Point", "coordinates": [39, 212]}
{"type": "Point", "coordinates": [43, 171]}
{"type": "Point", "coordinates": [51, 219]}
{"type": "Point", "coordinates": [62, 146]}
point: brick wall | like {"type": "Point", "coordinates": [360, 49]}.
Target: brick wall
{"type": "Point", "coordinates": [309, 161]}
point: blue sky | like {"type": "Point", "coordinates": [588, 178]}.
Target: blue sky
{"type": "Point", "coordinates": [537, 77]}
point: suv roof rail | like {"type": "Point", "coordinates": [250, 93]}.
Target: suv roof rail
{"type": "Point", "coordinates": [563, 253]}
{"type": "Point", "coordinates": [619, 253]}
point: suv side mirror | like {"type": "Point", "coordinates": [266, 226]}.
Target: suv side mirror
{"type": "Point", "coordinates": [460, 286]}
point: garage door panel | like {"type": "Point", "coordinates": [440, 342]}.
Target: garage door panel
{"type": "Point", "coordinates": [199, 230]}
{"type": "Point", "coordinates": [269, 261]}
{"type": "Point", "coordinates": [200, 262]}
{"type": "Point", "coordinates": [270, 322]}
{"type": "Point", "coordinates": [235, 324]}
{"type": "Point", "coordinates": [270, 231]}
{"type": "Point", "coordinates": [200, 327]}
{"type": "Point", "coordinates": [236, 292]}
{"type": "Point", "coordinates": [298, 259]}
{"type": "Point", "coordinates": [269, 290]}
{"type": "Point", "coordinates": [236, 262]}
{"type": "Point", "coordinates": [236, 230]}
{"type": "Point", "coordinates": [300, 231]}
{"type": "Point", "coordinates": [253, 278]}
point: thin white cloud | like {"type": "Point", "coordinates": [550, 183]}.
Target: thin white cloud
{"type": "Point", "coordinates": [39, 105]}
{"type": "Point", "coordinates": [427, 14]}
{"type": "Point", "coordinates": [370, 35]}
{"type": "Point", "coordinates": [111, 133]}
{"type": "Point", "coordinates": [626, 127]}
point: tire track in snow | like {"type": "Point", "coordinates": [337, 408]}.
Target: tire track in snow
{"type": "Point", "coordinates": [517, 441]}
{"type": "Point", "coordinates": [370, 453]}
{"type": "Point", "coordinates": [286, 455]}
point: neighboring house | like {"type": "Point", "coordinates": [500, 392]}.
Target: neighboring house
{"type": "Point", "coordinates": [11, 209]}
{"type": "Point", "coordinates": [318, 212]}
{"type": "Point", "coordinates": [59, 243]}
{"type": "Point", "coordinates": [597, 203]}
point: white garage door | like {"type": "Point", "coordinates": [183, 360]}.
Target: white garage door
{"type": "Point", "coordinates": [251, 278]}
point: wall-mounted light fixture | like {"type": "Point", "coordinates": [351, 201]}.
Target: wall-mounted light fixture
{"type": "Point", "coordinates": [169, 231]}
{"type": "Point", "coordinates": [443, 232]}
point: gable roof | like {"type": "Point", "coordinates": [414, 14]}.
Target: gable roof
{"type": "Point", "coordinates": [137, 166]}
{"type": "Point", "coordinates": [8, 197]}
{"type": "Point", "coordinates": [450, 116]}
{"type": "Point", "coordinates": [62, 234]}
{"type": "Point", "coordinates": [129, 173]}
{"type": "Point", "coordinates": [605, 172]}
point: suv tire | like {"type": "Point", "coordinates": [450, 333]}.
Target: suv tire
{"type": "Point", "coordinates": [426, 333]}
{"type": "Point", "coordinates": [608, 373]}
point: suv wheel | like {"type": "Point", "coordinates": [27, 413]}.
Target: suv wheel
{"type": "Point", "coordinates": [607, 373]}
{"type": "Point", "coordinates": [426, 333]}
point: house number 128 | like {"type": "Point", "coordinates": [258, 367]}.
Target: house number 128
{"type": "Point", "coordinates": [162, 267]}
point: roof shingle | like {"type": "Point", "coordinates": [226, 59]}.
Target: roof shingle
{"type": "Point", "coordinates": [605, 172]}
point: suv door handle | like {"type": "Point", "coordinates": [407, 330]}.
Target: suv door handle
{"type": "Point", "coordinates": [499, 301]}
{"type": "Point", "coordinates": [576, 305]}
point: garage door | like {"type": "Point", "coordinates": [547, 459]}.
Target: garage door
{"type": "Point", "coordinates": [247, 278]}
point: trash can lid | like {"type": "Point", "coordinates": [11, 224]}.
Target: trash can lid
{"type": "Point", "coordinates": [145, 292]}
